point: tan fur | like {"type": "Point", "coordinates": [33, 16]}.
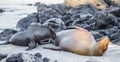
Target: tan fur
{"type": "Point", "coordinates": [81, 41]}
{"type": "Point", "coordinates": [73, 3]}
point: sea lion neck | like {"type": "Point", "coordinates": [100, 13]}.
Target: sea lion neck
{"type": "Point", "coordinates": [94, 51]}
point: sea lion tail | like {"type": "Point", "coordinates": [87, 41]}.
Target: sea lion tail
{"type": "Point", "coordinates": [53, 48]}
{"type": "Point", "coordinates": [5, 43]}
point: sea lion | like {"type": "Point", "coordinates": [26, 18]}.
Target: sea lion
{"type": "Point", "coordinates": [36, 33]}
{"type": "Point", "coordinates": [80, 41]}
{"type": "Point", "coordinates": [100, 4]}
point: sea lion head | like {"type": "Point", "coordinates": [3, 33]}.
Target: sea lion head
{"type": "Point", "coordinates": [101, 46]}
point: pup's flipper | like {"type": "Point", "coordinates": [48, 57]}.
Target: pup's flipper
{"type": "Point", "coordinates": [45, 41]}
{"type": "Point", "coordinates": [5, 43]}
{"type": "Point", "coordinates": [31, 45]}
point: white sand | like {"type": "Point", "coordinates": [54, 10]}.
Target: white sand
{"type": "Point", "coordinates": [111, 55]}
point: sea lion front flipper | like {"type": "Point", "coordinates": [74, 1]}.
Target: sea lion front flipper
{"type": "Point", "coordinates": [31, 45]}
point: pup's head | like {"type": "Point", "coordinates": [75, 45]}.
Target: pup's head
{"type": "Point", "coordinates": [55, 23]}
{"type": "Point", "coordinates": [102, 45]}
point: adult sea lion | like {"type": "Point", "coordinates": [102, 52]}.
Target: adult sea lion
{"type": "Point", "coordinates": [100, 4]}
{"type": "Point", "coordinates": [36, 33]}
{"type": "Point", "coordinates": [80, 41]}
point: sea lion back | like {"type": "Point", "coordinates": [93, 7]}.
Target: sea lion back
{"type": "Point", "coordinates": [76, 40]}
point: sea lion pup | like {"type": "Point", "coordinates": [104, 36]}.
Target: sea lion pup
{"type": "Point", "coordinates": [36, 33]}
{"type": "Point", "coordinates": [80, 41]}
{"type": "Point", "coordinates": [100, 4]}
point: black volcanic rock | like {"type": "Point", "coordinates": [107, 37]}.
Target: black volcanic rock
{"type": "Point", "coordinates": [45, 59]}
{"type": "Point", "coordinates": [2, 56]}
{"type": "Point", "coordinates": [104, 20]}
{"type": "Point", "coordinates": [2, 10]}
{"type": "Point", "coordinates": [24, 23]}
{"type": "Point", "coordinates": [15, 58]}
{"type": "Point", "coordinates": [46, 12]}
{"type": "Point", "coordinates": [114, 10]}
{"type": "Point", "coordinates": [38, 55]}
{"type": "Point", "coordinates": [20, 57]}
{"type": "Point", "coordinates": [26, 57]}
{"type": "Point", "coordinates": [60, 8]}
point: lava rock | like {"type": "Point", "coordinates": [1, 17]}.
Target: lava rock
{"type": "Point", "coordinates": [2, 10]}
{"type": "Point", "coordinates": [116, 41]}
{"type": "Point", "coordinates": [6, 34]}
{"type": "Point", "coordinates": [108, 2]}
{"type": "Point", "coordinates": [104, 20]}
{"type": "Point", "coordinates": [46, 12]}
{"type": "Point", "coordinates": [2, 56]}
{"type": "Point", "coordinates": [96, 35]}
{"type": "Point", "coordinates": [61, 8]}
{"type": "Point", "coordinates": [79, 14]}
{"type": "Point", "coordinates": [114, 10]}
{"type": "Point", "coordinates": [24, 57]}
{"type": "Point", "coordinates": [15, 58]}
{"type": "Point", "coordinates": [115, 36]}
{"type": "Point", "coordinates": [45, 59]}
{"type": "Point", "coordinates": [108, 32]}
{"type": "Point", "coordinates": [25, 22]}
{"type": "Point", "coordinates": [38, 55]}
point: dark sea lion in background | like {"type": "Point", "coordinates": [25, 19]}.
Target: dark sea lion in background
{"type": "Point", "coordinates": [36, 33]}
{"type": "Point", "coordinates": [56, 23]}
{"type": "Point", "coordinates": [78, 40]}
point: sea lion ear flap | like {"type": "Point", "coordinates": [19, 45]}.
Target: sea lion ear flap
{"type": "Point", "coordinates": [103, 43]}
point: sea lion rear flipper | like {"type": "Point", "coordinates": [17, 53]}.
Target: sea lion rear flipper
{"type": "Point", "coordinates": [31, 45]}
{"type": "Point", "coordinates": [5, 43]}
{"type": "Point", "coordinates": [45, 41]}
{"type": "Point", "coordinates": [53, 48]}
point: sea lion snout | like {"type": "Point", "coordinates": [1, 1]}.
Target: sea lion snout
{"type": "Point", "coordinates": [103, 45]}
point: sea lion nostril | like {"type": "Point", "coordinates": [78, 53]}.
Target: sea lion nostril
{"type": "Point", "coordinates": [97, 4]}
